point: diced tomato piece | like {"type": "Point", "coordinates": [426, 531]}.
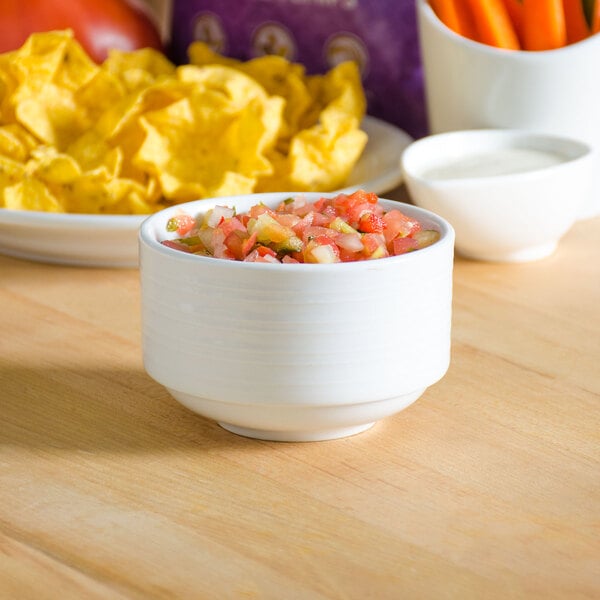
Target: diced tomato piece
{"type": "Point", "coordinates": [288, 220]}
{"type": "Point", "coordinates": [259, 209]}
{"type": "Point", "coordinates": [322, 219]}
{"type": "Point", "coordinates": [329, 212]}
{"type": "Point", "coordinates": [319, 204]}
{"type": "Point", "coordinates": [340, 203]}
{"type": "Point", "coordinates": [402, 245]}
{"type": "Point", "coordinates": [371, 223]}
{"type": "Point", "coordinates": [239, 243]}
{"type": "Point", "coordinates": [315, 231]}
{"type": "Point", "coordinates": [219, 249]}
{"type": "Point", "coordinates": [264, 250]}
{"type": "Point", "coordinates": [356, 211]}
{"type": "Point", "coordinates": [398, 224]}
{"type": "Point", "coordinates": [268, 259]}
{"type": "Point", "coordinates": [357, 204]}
{"type": "Point", "coordinates": [227, 226]}
{"type": "Point", "coordinates": [375, 246]}
{"type": "Point", "coordinates": [303, 209]}
{"type": "Point", "coordinates": [264, 257]}
{"type": "Point", "coordinates": [234, 242]}
{"type": "Point", "coordinates": [249, 243]}
{"type": "Point", "coordinates": [176, 245]}
{"type": "Point", "coordinates": [181, 223]}
{"type": "Point", "coordinates": [301, 226]}
{"type": "Point", "coordinates": [347, 256]}
{"type": "Point", "coordinates": [360, 196]}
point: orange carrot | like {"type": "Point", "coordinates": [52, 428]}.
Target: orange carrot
{"type": "Point", "coordinates": [455, 15]}
{"type": "Point", "coordinates": [596, 17]}
{"type": "Point", "coordinates": [577, 27]}
{"type": "Point", "coordinates": [493, 24]}
{"type": "Point", "coordinates": [515, 12]}
{"type": "Point", "coordinates": [544, 26]}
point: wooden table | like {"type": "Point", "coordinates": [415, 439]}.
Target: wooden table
{"type": "Point", "coordinates": [487, 487]}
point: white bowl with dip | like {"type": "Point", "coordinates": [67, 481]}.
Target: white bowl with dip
{"type": "Point", "coordinates": [295, 352]}
{"type": "Point", "coordinates": [510, 195]}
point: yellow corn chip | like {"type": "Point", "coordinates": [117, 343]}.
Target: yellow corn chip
{"type": "Point", "coordinates": [136, 133]}
{"type": "Point", "coordinates": [16, 142]}
{"type": "Point", "coordinates": [30, 194]}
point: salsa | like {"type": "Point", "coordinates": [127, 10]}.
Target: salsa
{"type": "Point", "coordinates": [345, 228]}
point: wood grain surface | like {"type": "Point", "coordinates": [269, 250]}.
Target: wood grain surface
{"type": "Point", "coordinates": [487, 487]}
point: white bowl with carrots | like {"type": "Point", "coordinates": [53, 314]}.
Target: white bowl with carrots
{"type": "Point", "coordinates": [531, 25]}
{"type": "Point", "coordinates": [537, 72]}
{"type": "Point", "coordinates": [294, 352]}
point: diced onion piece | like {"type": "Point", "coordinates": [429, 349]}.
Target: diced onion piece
{"type": "Point", "coordinates": [350, 242]}
{"type": "Point", "coordinates": [426, 237]}
{"type": "Point", "coordinates": [324, 254]}
{"type": "Point", "coordinates": [217, 213]}
{"type": "Point", "coordinates": [206, 237]}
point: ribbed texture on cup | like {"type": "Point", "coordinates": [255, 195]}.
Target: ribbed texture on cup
{"type": "Point", "coordinates": [284, 334]}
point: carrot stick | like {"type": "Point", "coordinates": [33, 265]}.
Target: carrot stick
{"type": "Point", "coordinates": [544, 26]}
{"type": "Point", "coordinates": [515, 12]}
{"type": "Point", "coordinates": [455, 15]}
{"type": "Point", "coordinates": [577, 27]}
{"type": "Point", "coordinates": [596, 17]}
{"type": "Point", "coordinates": [493, 24]}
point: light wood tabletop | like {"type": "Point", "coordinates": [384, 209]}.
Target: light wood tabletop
{"type": "Point", "coordinates": [487, 487]}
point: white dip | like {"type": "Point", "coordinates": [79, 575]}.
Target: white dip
{"type": "Point", "coordinates": [499, 162]}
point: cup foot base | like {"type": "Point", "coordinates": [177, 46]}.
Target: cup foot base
{"type": "Point", "coordinates": [296, 422]}
{"type": "Point", "coordinates": [296, 436]}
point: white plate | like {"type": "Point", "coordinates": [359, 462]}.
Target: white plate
{"type": "Point", "coordinates": [111, 240]}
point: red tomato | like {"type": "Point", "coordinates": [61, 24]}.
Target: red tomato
{"type": "Point", "coordinates": [315, 231]}
{"type": "Point", "coordinates": [265, 250]}
{"type": "Point", "coordinates": [98, 25]}
{"type": "Point", "coordinates": [361, 196]}
{"type": "Point", "coordinates": [181, 223]}
{"type": "Point", "coordinates": [227, 226]}
{"type": "Point", "coordinates": [371, 223]}
{"type": "Point", "coordinates": [176, 245]}
{"type": "Point", "coordinates": [402, 245]}
{"type": "Point", "coordinates": [240, 244]}
{"type": "Point", "coordinates": [235, 243]}
{"type": "Point", "coordinates": [319, 204]}
{"type": "Point", "coordinates": [374, 245]}
{"type": "Point", "coordinates": [300, 227]}
{"type": "Point", "coordinates": [259, 209]}
{"type": "Point", "coordinates": [398, 224]}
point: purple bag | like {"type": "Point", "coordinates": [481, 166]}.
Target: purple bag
{"type": "Point", "coordinates": [381, 35]}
